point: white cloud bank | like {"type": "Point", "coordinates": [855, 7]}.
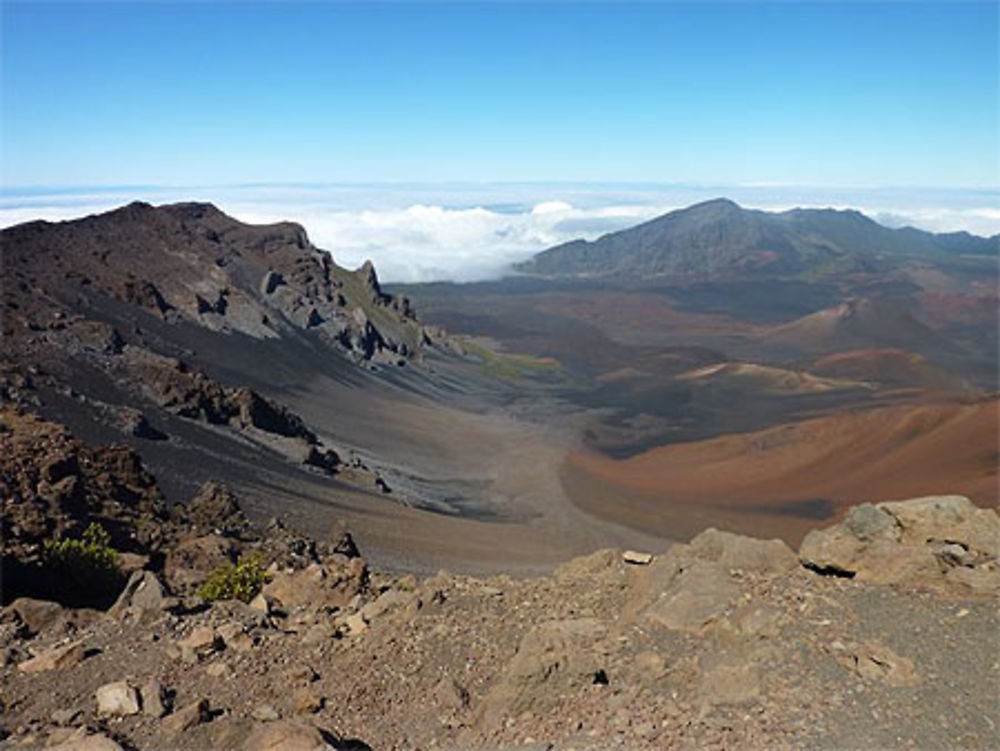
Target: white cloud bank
{"type": "Point", "coordinates": [431, 242]}
{"type": "Point", "coordinates": [465, 233]}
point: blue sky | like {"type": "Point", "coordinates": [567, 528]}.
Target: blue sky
{"type": "Point", "coordinates": [178, 94]}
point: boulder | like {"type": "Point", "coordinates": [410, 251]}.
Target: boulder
{"type": "Point", "coordinates": [235, 637]}
{"type": "Point", "coordinates": [318, 634]}
{"type": "Point", "coordinates": [841, 549]}
{"type": "Point", "coordinates": [262, 604]}
{"type": "Point", "coordinates": [867, 522]}
{"type": "Point", "coordinates": [355, 624]}
{"type": "Point", "coordinates": [346, 546]}
{"type": "Point", "coordinates": [219, 669]}
{"type": "Point", "coordinates": [117, 699]}
{"type": "Point", "coordinates": [66, 716]}
{"type": "Point", "coordinates": [213, 507]}
{"type": "Point", "coordinates": [201, 642]}
{"type": "Point", "coordinates": [307, 700]}
{"type": "Point", "coordinates": [937, 541]}
{"type": "Point", "coordinates": [322, 458]}
{"type": "Point", "coordinates": [947, 518]}
{"type": "Point", "coordinates": [154, 698]}
{"type": "Point", "coordinates": [330, 584]}
{"type": "Point", "coordinates": [55, 658]}
{"type": "Point", "coordinates": [701, 593]}
{"type": "Point", "coordinates": [129, 563]}
{"type": "Point", "coordinates": [36, 615]}
{"type": "Point", "coordinates": [636, 558]}
{"type": "Point", "coordinates": [186, 718]}
{"type": "Point", "coordinates": [265, 713]}
{"type": "Point", "coordinates": [287, 735]}
{"type": "Point", "coordinates": [744, 553]}
{"type": "Point", "coordinates": [834, 550]}
{"type": "Point", "coordinates": [301, 674]}
{"type": "Point", "coordinates": [142, 593]}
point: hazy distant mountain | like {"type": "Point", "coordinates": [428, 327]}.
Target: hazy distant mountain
{"type": "Point", "coordinates": [718, 238]}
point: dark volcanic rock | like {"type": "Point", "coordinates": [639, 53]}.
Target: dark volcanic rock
{"type": "Point", "coordinates": [208, 268]}
{"type": "Point", "coordinates": [53, 485]}
{"type": "Point", "coordinates": [134, 423]}
{"type": "Point", "coordinates": [214, 506]}
{"type": "Point", "coordinates": [263, 414]}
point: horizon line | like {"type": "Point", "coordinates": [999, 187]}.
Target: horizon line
{"type": "Point", "coordinates": [41, 189]}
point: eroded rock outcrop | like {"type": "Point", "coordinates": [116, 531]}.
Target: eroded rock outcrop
{"type": "Point", "coordinates": [53, 486]}
{"type": "Point", "coordinates": [325, 585]}
{"type": "Point", "coordinates": [938, 541]}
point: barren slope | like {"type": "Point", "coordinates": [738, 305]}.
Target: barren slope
{"type": "Point", "coordinates": [779, 480]}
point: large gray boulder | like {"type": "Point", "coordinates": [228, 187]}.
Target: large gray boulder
{"type": "Point", "coordinates": [699, 595]}
{"type": "Point", "coordinates": [743, 553]}
{"type": "Point", "coordinates": [117, 699]}
{"type": "Point", "coordinates": [936, 541]}
{"type": "Point", "coordinates": [143, 593]}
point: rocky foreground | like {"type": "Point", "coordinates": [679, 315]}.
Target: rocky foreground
{"type": "Point", "coordinates": [882, 631]}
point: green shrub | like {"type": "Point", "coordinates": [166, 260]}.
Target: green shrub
{"type": "Point", "coordinates": [89, 564]}
{"type": "Point", "coordinates": [240, 582]}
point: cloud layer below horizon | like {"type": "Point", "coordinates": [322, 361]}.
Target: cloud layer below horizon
{"type": "Point", "coordinates": [417, 233]}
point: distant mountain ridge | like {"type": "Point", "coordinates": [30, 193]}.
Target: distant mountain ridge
{"type": "Point", "coordinates": [720, 238]}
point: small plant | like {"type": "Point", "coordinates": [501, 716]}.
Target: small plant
{"type": "Point", "coordinates": [89, 565]}
{"type": "Point", "coordinates": [240, 582]}
{"type": "Point", "coordinates": [93, 552]}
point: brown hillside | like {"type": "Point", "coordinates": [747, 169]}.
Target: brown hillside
{"type": "Point", "coordinates": [893, 367]}
{"type": "Point", "coordinates": [771, 481]}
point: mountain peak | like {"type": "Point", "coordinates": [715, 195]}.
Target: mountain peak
{"type": "Point", "coordinates": [719, 239]}
{"type": "Point", "coordinates": [721, 202]}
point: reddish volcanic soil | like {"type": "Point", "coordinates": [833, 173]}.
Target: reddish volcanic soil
{"type": "Point", "coordinates": [888, 366]}
{"type": "Point", "coordinates": [779, 481]}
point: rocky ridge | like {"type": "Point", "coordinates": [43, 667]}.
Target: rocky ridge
{"type": "Point", "coordinates": [880, 631]}
{"type": "Point", "coordinates": [191, 263]}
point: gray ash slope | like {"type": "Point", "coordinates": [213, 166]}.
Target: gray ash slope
{"type": "Point", "coordinates": [718, 238]}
